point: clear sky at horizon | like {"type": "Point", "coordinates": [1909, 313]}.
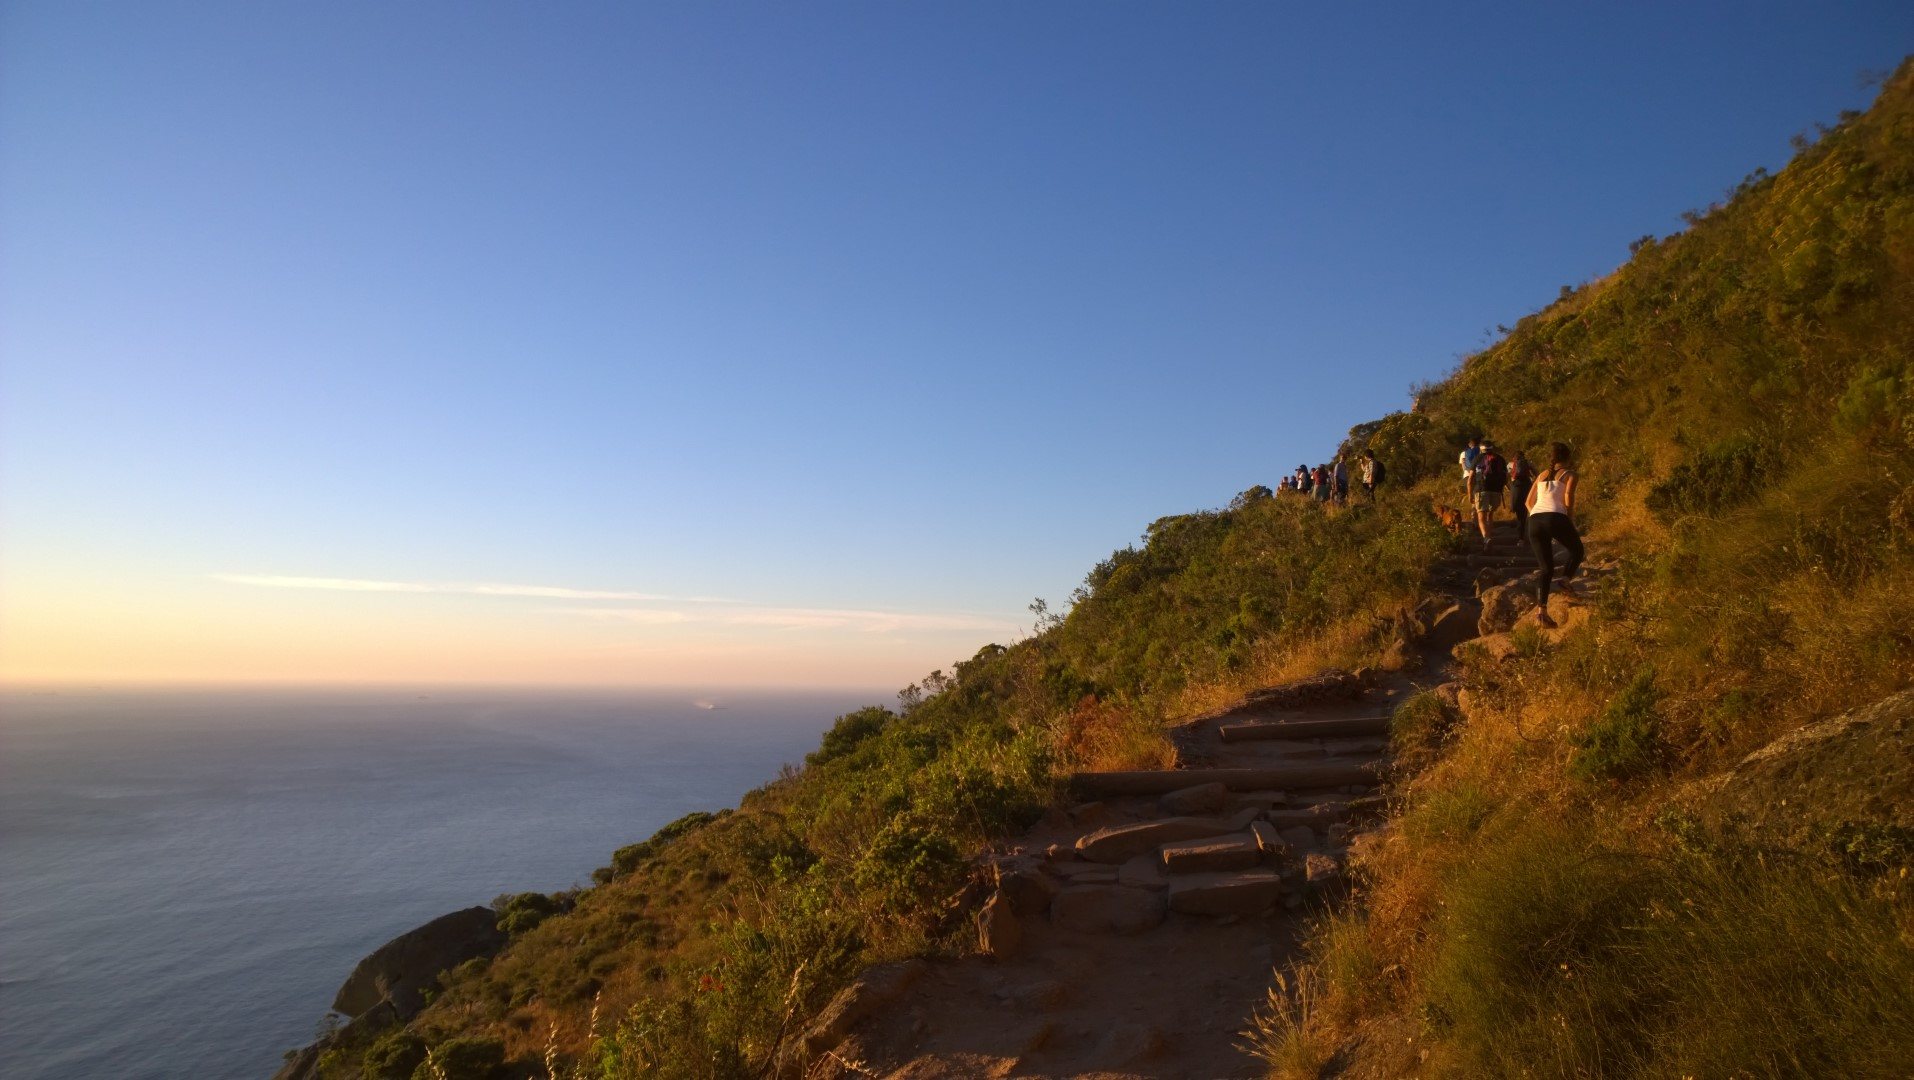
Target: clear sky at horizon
{"type": "Point", "coordinates": [754, 344]}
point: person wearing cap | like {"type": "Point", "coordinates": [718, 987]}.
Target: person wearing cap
{"type": "Point", "coordinates": [1486, 481]}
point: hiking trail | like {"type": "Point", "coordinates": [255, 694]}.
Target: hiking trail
{"type": "Point", "coordinates": [1137, 931]}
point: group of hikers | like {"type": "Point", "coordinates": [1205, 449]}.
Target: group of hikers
{"type": "Point", "coordinates": [1330, 483]}
{"type": "Point", "coordinates": [1543, 501]}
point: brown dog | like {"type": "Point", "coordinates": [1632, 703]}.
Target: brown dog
{"type": "Point", "coordinates": [1452, 519]}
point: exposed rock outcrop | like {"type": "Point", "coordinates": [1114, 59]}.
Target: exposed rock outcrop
{"type": "Point", "coordinates": [1806, 789]}
{"type": "Point", "coordinates": [402, 969]}
{"type": "Point", "coordinates": [387, 987]}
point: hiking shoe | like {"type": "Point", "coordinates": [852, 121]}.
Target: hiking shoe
{"type": "Point", "coordinates": [1542, 619]}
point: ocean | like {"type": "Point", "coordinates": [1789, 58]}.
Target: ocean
{"type": "Point", "coordinates": [187, 876]}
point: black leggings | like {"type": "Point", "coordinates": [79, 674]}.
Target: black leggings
{"type": "Point", "coordinates": [1545, 530]}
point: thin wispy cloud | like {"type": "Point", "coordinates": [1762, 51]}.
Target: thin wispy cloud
{"type": "Point", "coordinates": [546, 592]}
{"type": "Point", "coordinates": [704, 610]}
{"type": "Point", "coordinates": [784, 618]}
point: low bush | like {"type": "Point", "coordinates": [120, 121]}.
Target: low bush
{"type": "Point", "coordinates": [1562, 953]}
{"type": "Point", "coordinates": [1625, 741]}
{"type": "Point", "coordinates": [463, 1058]}
{"type": "Point", "coordinates": [396, 1056]}
{"type": "Point", "coordinates": [1419, 726]}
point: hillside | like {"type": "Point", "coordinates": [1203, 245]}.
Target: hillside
{"type": "Point", "coordinates": [1565, 885]}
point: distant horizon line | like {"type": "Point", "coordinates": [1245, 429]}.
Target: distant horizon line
{"type": "Point", "coordinates": [148, 683]}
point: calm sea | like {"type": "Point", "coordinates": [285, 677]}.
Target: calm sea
{"type": "Point", "coordinates": [186, 877]}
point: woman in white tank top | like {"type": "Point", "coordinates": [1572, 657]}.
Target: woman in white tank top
{"type": "Point", "coordinates": [1552, 520]}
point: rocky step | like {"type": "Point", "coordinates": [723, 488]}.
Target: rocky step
{"type": "Point", "coordinates": [1241, 892]}
{"type": "Point", "coordinates": [1303, 729]}
{"type": "Point", "coordinates": [1320, 816]}
{"type": "Point", "coordinates": [1120, 843]}
{"type": "Point", "coordinates": [1239, 851]}
{"type": "Point", "coordinates": [1285, 777]}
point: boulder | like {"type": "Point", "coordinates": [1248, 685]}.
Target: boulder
{"type": "Point", "coordinates": [1323, 872]}
{"type": "Point", "coordinates": [1027, 888]}
{"type": "Point", "coordinates": [1107, 909]}
{"type": "Point", "coordinates": [1248, 892]}
{"type": "Point", "coordinates": [402, 969]}
{"type": "Point", "coordinates": [1122, 842]}
{"type": "Point", "coordinates": [999, 934]}
{"type": "Point", "coordinates": [1500, 647]}
{"type": "Point", "coordinates": [1201, 799]}
{"type": "Point", "coordinates": [1235, 852]}
{"type": "Point", "coordinates": [874, 988]}
{"type": "Point", "coordinates": [1502, 605]}
{"type": "Point", "coordinates": [1451, 625]}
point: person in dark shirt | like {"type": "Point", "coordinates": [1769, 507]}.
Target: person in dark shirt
{"type": "Point", "coordinates": [1521, 478]}
{"type": "Point", "coordinates": [1486, 483]}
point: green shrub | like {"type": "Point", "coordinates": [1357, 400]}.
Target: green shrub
{"type": "Point", "coordinates": [520, 912]}
{"type": "Point", "coordinates": [1625, 741]}
{"type": "Point", "coordinates": [1419, 726]}
{"type": "Point", "coordinates": [395, 1056]}
{"type": "Point", "coordinates": [850, 730]}
{"type": "Point", "coordinates": [631, 856]}
{"type": "Point", "coordinates": [463, 1059]}
{"type": "Point", "coordinates": [1725, 475]}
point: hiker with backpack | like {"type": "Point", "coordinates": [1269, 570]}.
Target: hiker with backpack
{"type": "Point", "coordinates": [1486, 482]}
{"type": "Point", "coordinates": [1320, 479]}
{"type": "Point", "coordinates": [1371, 472]}
{"type": "Point", "coordinates": [1551, 506]}
{"type": "Point", "coordinates": [1521, 478]}
{"type": "Point", "coordinates": [1302, 479]}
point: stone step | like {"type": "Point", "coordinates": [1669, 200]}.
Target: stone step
{"type": "Point", "coordinates": [1303, 729]}
{"type": "Point", "coordinates": [1243, 892]}
{"type": "Point", "coordinates": [1286, 777]}
{"type": "Point", "coordinates": [1120, 843]}
{"type": "Point", "coordinates": [1236, 852]}
{"type": "Point", "coordinates": [1318, 817]}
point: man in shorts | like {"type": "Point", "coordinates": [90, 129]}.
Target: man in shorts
{"type": "Point", "coordinates": [1486, 483]}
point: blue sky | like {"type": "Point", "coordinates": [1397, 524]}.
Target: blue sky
{"type": "Point", "coordinates": [872, 321]}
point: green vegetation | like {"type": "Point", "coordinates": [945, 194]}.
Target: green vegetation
{"type": "Point", "coordinates": [700, 951]}
{"type": "Point", "coordinates": [1625, 741]}
{"type": "Point", "coordinates": [1741, 398]}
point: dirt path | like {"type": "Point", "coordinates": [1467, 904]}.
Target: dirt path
{"type": "Point", "coordinates": [1137, 931]}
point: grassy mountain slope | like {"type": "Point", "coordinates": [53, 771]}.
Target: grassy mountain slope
{"type": "Point", "coordinates": [1549, 902]}
{"type": "Point", "coordinates": [698, 950]}
{"type": "Point", "coordinates": [1742, 401]}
